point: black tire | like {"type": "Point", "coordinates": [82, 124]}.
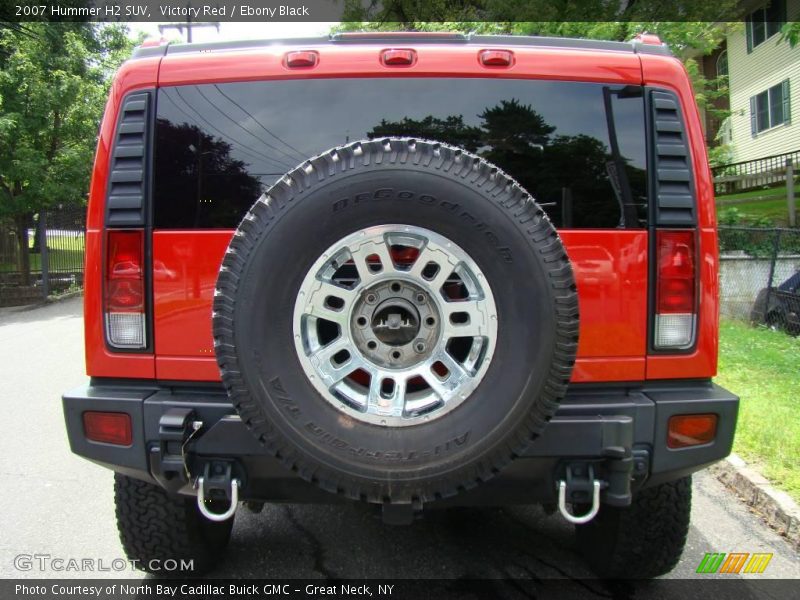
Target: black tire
{"type": "Point", "coordinates": [418, 183]}
{"type": "Point", "coordinates": [156, 528]}
{"type": "Point", "coordinates": [776, 320]}
{"type": "Point", "coordinates": [641, 541]}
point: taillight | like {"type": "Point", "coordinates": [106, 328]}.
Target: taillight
{"type": "Point", "coordinates": [676, 294]}
{"type": "Point", "coordinates": [124, 289]}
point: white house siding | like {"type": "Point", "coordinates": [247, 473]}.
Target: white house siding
{"type": "Point", "coordinates": [770, 63]}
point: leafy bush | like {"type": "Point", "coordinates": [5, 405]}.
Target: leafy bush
{"type": "Point", "coordinates": [755, 236]}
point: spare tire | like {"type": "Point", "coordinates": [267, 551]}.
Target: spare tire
{"type": "Point", "coordinates": [396, 320]}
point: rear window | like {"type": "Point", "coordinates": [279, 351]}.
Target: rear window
{"type": "Point", "coordinates": [578, 148]}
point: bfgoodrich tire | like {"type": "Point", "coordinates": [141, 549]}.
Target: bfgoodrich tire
{"type": "Point", "coordinates": [498, 248]}
{"type": "Point", "coordinates": [164, 533]}
{"type": "Point", "coordinates": [641, 541]}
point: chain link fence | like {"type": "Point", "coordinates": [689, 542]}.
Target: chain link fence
{"type": "Point", "coordinates": [53, 262]}
{"type": "Point", "coordinates": [760, 276]}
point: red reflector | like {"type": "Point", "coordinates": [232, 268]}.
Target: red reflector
{"type": "Point", "coordinates": [302, 58]}
{"type": "Point", "coordinates": [395, 58]}
{"type": "Point", "coordinates": [496, 58]}
{"type": "Point", "coordinates": [676, 272]}
{"type": "Point", "coordinates": [691, 430]}
{"type": "Point", "coordinates": [108, 427]}
{"type": "Point", "coordinates": [125, 271]}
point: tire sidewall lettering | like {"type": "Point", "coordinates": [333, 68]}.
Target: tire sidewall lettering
{"type": "Point", "coordinates": [385, 194]}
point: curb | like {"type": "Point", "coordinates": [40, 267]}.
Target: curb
{"type": "Point", "coordinates": [65, 296]}
{"type": "Point", "coordinates": [41, 304]}
{"type": "Point", "coordinates": [775, 507]}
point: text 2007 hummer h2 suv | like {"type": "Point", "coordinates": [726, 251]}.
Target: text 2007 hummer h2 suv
{"type": "Point", "coordinates": [411, 270]}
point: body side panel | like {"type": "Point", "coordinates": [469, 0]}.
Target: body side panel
{"type": "Point", "coordinates": [669, 73]}
{"type": "Point", "coordinates": [133, 75]}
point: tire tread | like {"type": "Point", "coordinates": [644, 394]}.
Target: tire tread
{"type": "Point", "coordinates": [155, 526]}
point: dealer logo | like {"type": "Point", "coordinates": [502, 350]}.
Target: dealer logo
{"type": "Point", "coordinates": [734, 563]}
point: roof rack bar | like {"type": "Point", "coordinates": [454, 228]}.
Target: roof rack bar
{"type": "Point", "coordinates": [568, 43]}
{"type": "Point", "coordinates": [410, 38]}
{"type": "Point", "coordinates": [415, 37]}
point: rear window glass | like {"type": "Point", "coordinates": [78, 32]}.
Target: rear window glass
{"type": "Point", "coordinates": [578, 148]}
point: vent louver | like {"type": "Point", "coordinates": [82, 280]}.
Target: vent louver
{"type": "Point", "coordinates": [675, 204]}
{"type": "Point", "coordinates": [127, 178]}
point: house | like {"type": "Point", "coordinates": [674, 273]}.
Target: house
{"type": "Point", "coordinates": [764, 80]}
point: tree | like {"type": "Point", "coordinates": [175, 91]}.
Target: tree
{"type": "Point", "coordinates": [561, 12]}
{"type": "Point", "coordinates": [450, 130]}
{"type": "Point", "coordinates": [53, 82]}
{"type": "Point", "coordinates": [791, 33]}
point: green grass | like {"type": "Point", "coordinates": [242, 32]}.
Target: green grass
{"type": "Point", "coordinates": [776, 192]}
{"type": "Point", "coordinates": [60, 258]}
{"type": "Point", "coordinates": [760, 204]}
{"type": "Point", "coordinates": [64, 251]}
{"type": "Point", "coordinates": [776, 210]}
{"type": "Point", "coordinates": [761, 366]}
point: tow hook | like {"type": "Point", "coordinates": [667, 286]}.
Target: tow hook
{"type": "Point", "coordinates": [579, 484]}
{"type": "Point", "coordinates": [216, 481]}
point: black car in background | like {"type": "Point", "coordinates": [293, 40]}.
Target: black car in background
{"type": "Point", "coordinates": [779, 307]}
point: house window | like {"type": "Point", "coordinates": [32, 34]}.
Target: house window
{"type": "Point", "coordinates": [770, 108]}
{"type": "Point", "coordinates": [722, 63]}
{"type": "Point", "coordinates": [765, 22]}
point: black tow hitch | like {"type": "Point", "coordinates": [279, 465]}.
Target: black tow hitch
{"type": "Point", "coordinates": [168, 465]}
{"type": "Point", "coordinates": [172, 465]}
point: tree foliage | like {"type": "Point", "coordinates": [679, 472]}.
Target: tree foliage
{"type": "Point", "coordinates": [408, 11]}
{"type": "Point", "coordinates": [791, 33]}
{"type": "Point", "coordinates": [54, 79]}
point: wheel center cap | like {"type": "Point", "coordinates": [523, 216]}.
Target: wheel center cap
{"type": "Point", "coordinates": [395, 322]}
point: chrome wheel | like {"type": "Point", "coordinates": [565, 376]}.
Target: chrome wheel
{"type": "Point", "coordinates": [395, 325]}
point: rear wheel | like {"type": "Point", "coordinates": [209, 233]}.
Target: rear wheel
{"type": "Point", "coordinates": [641, 541]}
{"type": "Point", "coordinates": [165, 534]}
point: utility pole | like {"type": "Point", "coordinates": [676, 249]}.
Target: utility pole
{"type": "Point", "coordinates": [188, 25]}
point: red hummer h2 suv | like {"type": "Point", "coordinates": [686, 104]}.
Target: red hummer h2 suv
{"type": "Point", "coordinates": [410, 270]}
